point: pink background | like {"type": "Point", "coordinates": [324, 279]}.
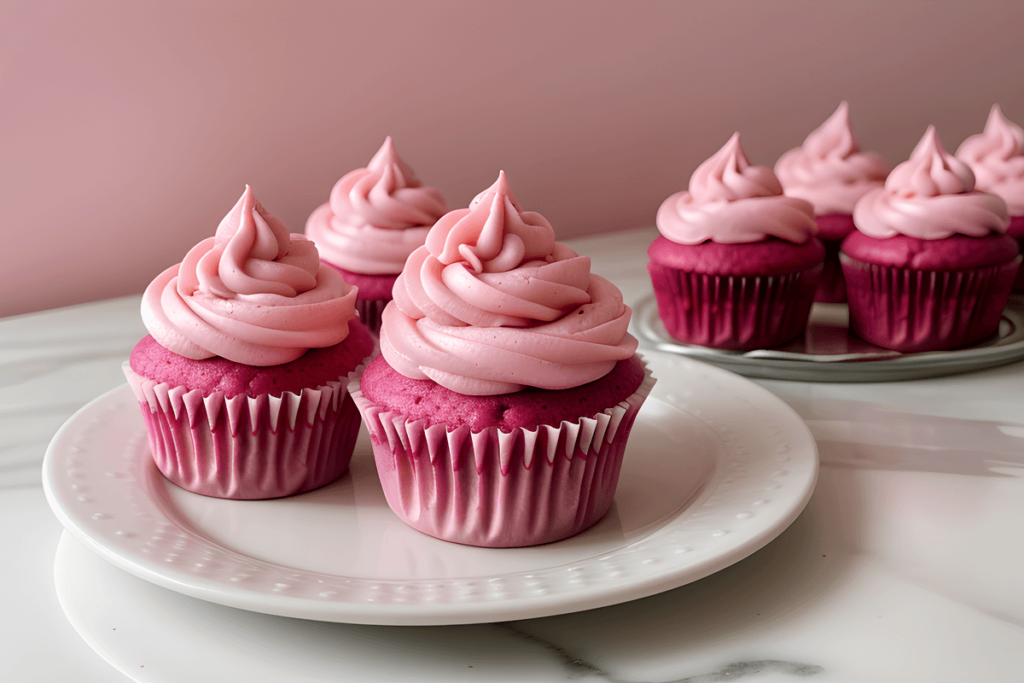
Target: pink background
{"type": "Point", "coordinates": [127, 130]}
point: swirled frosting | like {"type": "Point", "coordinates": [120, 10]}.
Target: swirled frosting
{"type": "Point", "coordinates": [731, 201]}
{"type": "Point", "coordinates": [997, 158]}
{"type": "Point", "coordinates": [376, 216]}
{"type": "Point", "coordinates": [829, 170]}
{"type": "Point", "coordinates": [253, 293]}
{"type": "Point", "coordinates": [492, 304]}
{"type": "Point", "coordinates": [930, 196]}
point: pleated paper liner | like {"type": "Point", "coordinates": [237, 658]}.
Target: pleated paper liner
{"type": "Point", "coordinates": [246, 448]}
{"type": "Point", "coordinates": [733, 312]}
{"type": "Point", "coordinates": [926, 310]}
{"type": "Point", "coordinates": [370, 312]}
{"type": "Point", "coordinates": [500, 489]}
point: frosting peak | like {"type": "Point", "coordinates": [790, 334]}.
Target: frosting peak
{"type": "Point", "coordinates": [997, 158]}
{"type": "Point", "coordinates": [253, 293]}
{"type": "Point", "coordinates": [834, 138]}
{"type": "Point", "coordinates": [494, 234]}
{"type": "Point", "coordinates": [829, 170]}
{"type": "Point", "coordinates": [728, 175]}
{"type": "Point", "coordinates": [732, 201]}
{"type": "Point", "coordinates": [930, 196]}
{"type": "Point", "coordinates": [376, 216]}
{"type": "Point", "coordinates": [492, 304]}
{"type": "Point", "coordinates": [930, 171]}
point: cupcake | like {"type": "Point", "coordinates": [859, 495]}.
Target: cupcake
{"type": "Point", "coordinates": [930, 266]}
{"type": "Point", "coordinates": [737, 262]}
{"type": "Point", "coordinates": [242, 380]}
{"type": "Point", "coordinates": [996, 157]}
{"type": "Point", "coordinates": [507, 383]}
{"type": "Point", "coordinates": [375, 218]}
{"type": "Point", "coordinates": [831, 172]}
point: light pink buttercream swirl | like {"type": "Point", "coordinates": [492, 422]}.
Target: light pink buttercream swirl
{"type": "Point", "coordinates": [376, 216]}
{"type": "Point", "coordinates": [731, 201]}
{"type": "Point", "coordinates": [930, 196]}
{"type": "Point", "coordinates": [829, 170]}
{"type": "Point", "coordinates": [997, 158]}
{"type": "Point", "coordinates": [493, 304]}
{"type": "Point", "coordinates": [254, 294]}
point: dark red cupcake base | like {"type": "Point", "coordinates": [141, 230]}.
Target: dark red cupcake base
{"type": "Point", "coordinates": [832, 229]}
{"type": "Point", "coordinates": [702, 303]}
{"type": "Point", "coordinates": [911, 310]}
{"type": "Point", "coordinates": [374, 295]}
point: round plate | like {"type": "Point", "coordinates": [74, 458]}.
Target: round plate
{"type": "Point", "coordinates": [716, 467]}
{"type": "Point", "coordinates": [828, 353]}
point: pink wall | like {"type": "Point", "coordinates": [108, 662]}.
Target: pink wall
{"type": "Point", "coordinates": [127, 130]}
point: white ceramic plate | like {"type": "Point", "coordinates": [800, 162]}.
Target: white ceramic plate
{"type": "Point", "coordinates": [716, 468]}
{"type": "Point", "coordinates": [828, 353]}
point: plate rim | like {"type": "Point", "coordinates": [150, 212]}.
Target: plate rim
{"type": "Point", "coordinates": [471, 611]}
{"type": "Point", "coordinates": [920, 365]}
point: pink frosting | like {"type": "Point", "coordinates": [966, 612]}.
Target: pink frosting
{"type": "Point", "coordinates": [376, 216]}
{"type": "Point", "coordinates": [930, 196]}
{"type": "Point", "coordinates": [254, 294]}
{"type": "Point", "coordinates": [829, 170]}
{"type": "Point", "coordinates": [493, 304]}
{"type": "Point", "coordinates": [731, 201]}
{"type": "Point", "coordinates": [997, 158]}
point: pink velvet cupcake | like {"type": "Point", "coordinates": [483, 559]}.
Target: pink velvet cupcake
{"type": "Point", "coordinates": [243, 380]}
{"type": "Point", "coordinates": [507, 384]}
{"type": "Point", "coordinates": [737, 262]}
{"type": "Point", "coordinates": [930, 266]}
{"type": "Point", "coordinates": [831, 172]}
{"type": "Point", "coordinates": [375, 218]}
{"type": "Point", "coordinates": [996, 157]}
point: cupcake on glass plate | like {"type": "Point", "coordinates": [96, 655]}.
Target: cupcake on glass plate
{"type": "Point", "coordinates": [375, 218]}
{"type": "Point", "coordinates": [996, 156]}
{"type": "Point", "coordinates": [507, 383]}
{"type": "Point", "coordinates": [930, 266]}
{"type": "Point", "coordinates": [243, 378]}
{"type": "Point", "coordinates": [831, 172]}
{"type": "Point", "coordinates": [737, 262]}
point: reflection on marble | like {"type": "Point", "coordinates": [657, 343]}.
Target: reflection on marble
{"type": "Point", "coordinates": [904, 567]}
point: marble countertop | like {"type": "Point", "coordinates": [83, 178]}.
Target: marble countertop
{"type": "Point", "coordinates": [905, 566]}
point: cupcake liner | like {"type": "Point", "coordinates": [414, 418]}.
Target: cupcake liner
{"type": "Point", "coordinates": [1018, 283]}
{"type": "Point", "coordinates": [926, 310]}
{"type": "Point", "coordinates": [370, 312]}
{"type": "Point", "coordinates": [500, 489]}
{"type": "Point", "coordinates": [734, 312]}
{"type": "Point", "coordinates": [244, 447]}
{"type": "Point", "coordinates": [832, 285]}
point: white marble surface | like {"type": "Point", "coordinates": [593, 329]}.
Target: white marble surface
{"type": "Point", "coordinates": [904, 567]}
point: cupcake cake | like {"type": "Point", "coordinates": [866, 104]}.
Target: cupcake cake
{"type": "Point", "coordinates": [242, 380]}
{"type": "Point", "coordinates": [507, 383]}
{"type": "Point", "coordinates": [996, 156]}
{"type": "Point", "coordinates": [930, 266]}
{"type": "Point", "coordinates": [831, 172]}
{"type": "Point", "coordinates": [737, 262]}
{"type": "Point", "coordinates": [375, 218]}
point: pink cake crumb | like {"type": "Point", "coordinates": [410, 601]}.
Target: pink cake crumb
{"type": "Point", "coordinates": [427, 400]}
{"type": "Point", "coordinates": [770, 256]}
{"type": "Point", "coordinates": [316, 366]}
{"type": "Point", "coordinates": [956, 252]}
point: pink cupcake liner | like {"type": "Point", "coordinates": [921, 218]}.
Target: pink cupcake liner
{"type": "Point", "coordinates": [734, 312]}
{"type": "Point", "coordinates": [1016, 230]}
{"type": "Point", "coordinates": [370, 312]}
{"type": "Point", "coordinates": [832, 285]}
{"type": "Point", "coordinates": [244, 447]}
{"type": "Point", "coordinates": [500, 489]}
{"type": "Point", "coordinates": [926, 310]}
